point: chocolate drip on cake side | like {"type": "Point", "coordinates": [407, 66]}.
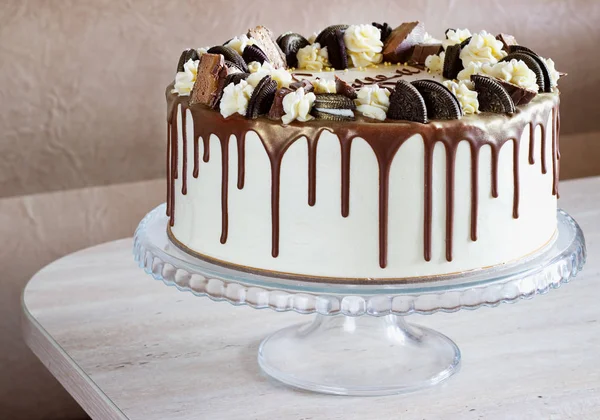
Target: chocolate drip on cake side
{"type": "Point", "coordinates": [385, 139]}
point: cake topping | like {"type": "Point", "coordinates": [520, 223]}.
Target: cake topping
{"type": "Point", "coordinates": [276, 111]}
{"type": "Point", "coordinates": [297, 106]}
{"type": "Point", "coordinates": [239, 43]}
{"type": "Point", "coordinates": [452, 62]}
{"type": "Point", "coordinates": [520, 48]}
{"type": "Point", "coordinates": [328, 31]}
{"type": "Point", "coordinates": [492, 96]}
{"type": "Point", "coordinates": [185, 79]}
{"type": "Point", "coordinates": [236, 77]}
{"type": "Point", "coordinates": [210, 80]}
{"type": "Point", "coordinates": [363, 45]}
{"type": "Point", "coordinates": [264, 37]}
{"type": "Point", "coordinates": [466, 96]}
{"type": "Point", "coordinates": [554, 75]}
{"type": "Point", "coordinates": [373, 102]}
{"type": "Point", "coordinates": [312, 57]}
{"type": "Point", "coordinates": [262, 98]}
{"type": "Point", "coordinates": [186, 55]}
{"type": "Point", "coordinates": [384, 29]}
{"type": "Point", "coordinates": [536, 65]}
{"type": "Point", "coordinates": [507, 41]}
{"type": "Point", "coordinates": [513, 71]}
{"type": "Point", "coordinates": [235, 98]}
{"type": "Point", "coordinates": [230, 55]}
{"type": "Point", "coordinates": [421, 52]}
{"type": "Point", "coordinates": [519, 95]}
{"type": "Point", "coordinates": [290, 44]}
{"type": "Point", "coordinates": [482, 48]}
{"type": "Point", "coordinates": [406, 103]}
{"type": "Point", "coordinates": [259, 71]}
{"type": "Point", "coordinates": [336, 49]}
{"type": "Point", "coordinates": [455, 36]}
{"type": "Point", "coordinates": [441, 104]}
{"type": "Point", "coordinates": [324, 86]}
{"type": "Point", "coordinates": [333, 107]}
{"type": "Point", "coordinates": [344, 88]}
{"type": "Point", "coordinates": [253, 53]}
{"type": "Point", "coordinates": [304, 83]}
{"type": "Point", "coordinates": [435, 63]}
{"type": "Point", "coordinates": [398, 47]}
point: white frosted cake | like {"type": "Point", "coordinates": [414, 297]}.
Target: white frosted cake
{"type": "Point", "coordinates": [363, 153]}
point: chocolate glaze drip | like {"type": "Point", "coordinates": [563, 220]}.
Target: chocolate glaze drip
{"type": "Point", "coordinates": [184, 157]}
{"type": "Point", "coordinates": [385, 139]}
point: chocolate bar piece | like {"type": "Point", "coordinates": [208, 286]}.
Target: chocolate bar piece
{"type": "Point", "coordinates": [422, 51]}
{"type": "Point", "coordinates": [210, 80]}
{"type": "Point", "coordinates": [398, 47]}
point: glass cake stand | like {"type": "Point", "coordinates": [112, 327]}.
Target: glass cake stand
{"type": "Point", "coordinates": [359, 342]}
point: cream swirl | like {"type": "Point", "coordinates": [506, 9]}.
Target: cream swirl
{"type": "Point", "coordinates": [259, 71]}
{"type": "Point", "coordinates": [239, 43]}
{"type": "Point", "coordinates": [373, 102]}
{"type": "Point", "coordinates": [466, 96]}
{"type": "Point", "coordinates": [184, 80]}
{"type": "Point", "coordinates": [297, 106]}
{"type": "Point", "coordinates": [513, 71]}
{"type": "Point", "coordinates": [435, 63]}
{"type": "Point", "coordinates": [235, 98]}
{"type": "Point", "coordinates": [363, 45]}
{"type": "Point", "coordinates": [313, 57]}
{"type": "Point", "coordinates": [468, 71]}
{"type": "Point", "coordinates": [483, 48]}
{"type": "Point", "coordinates": [324, 86]}
{"type": "Point", "coordinates": [554, 75]}
{"type": "Point", "coordinates": [454, 37]}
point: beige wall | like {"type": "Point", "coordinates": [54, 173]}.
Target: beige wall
{"type": "Point", "coordinates": [82, 105]}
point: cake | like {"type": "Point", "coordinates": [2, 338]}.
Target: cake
{"type": "Point", "coordinates": [363, 153]}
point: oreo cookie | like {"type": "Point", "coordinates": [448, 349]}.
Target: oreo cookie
{"type": "Point", "coordinates": [235, 78]}
{"type": "Point", "coordinates": [254, 53]}
{"type": "Point", "coordinates": [290, 44]}
{"type": "Point", "coordinates": [441, 104]}
{"type": "Point", "coordinates": [333, 107]}
{"type": "Point", "coordinates": [407, 103]}
{"type": "Point", "coordinates": [452, 62]}
{"type": "Point", "coordinates": [231, 55]}
{"type": "Point", "coordinates": [492, 96]}
{"type": "Point", "coordinates": [336, 49]}
{"type": "Point", "coordinates": [262, 98]}
{"type": "Point", "coordinates": [328, 31]}
{"type": "Point", "coordinates": [189, 54]}
{"type": "Point", "coordinates": [535, 64]}
{"type": "Point", "coordinates": [520, 48]}
{"type": "Point", "coordinates": [384, 29]}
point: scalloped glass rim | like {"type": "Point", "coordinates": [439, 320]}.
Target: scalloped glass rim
{"type": "Point", "coordinates": [556, 264]}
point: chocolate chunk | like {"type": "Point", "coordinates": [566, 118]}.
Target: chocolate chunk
{"type": "Point", "coordinates": [519, 95]}
{"type": "Point", "coordinates": [507, 41]}
{"type": "Point", "coordinates": [344, 88]}
{"type": "Point", "coordinates": [385, 29]}
{"type": "Point", "coordinates": [290, 44]}
{"type": "Point", "coordinates": [262, 98]}
{"type": "Point", "coordinates": [276, 111]}
{"type": "Point", "coordinates": [399, 45]}
{"type": "Point", "coordinates": [189, 54]}
{"type": "Point", "coordinates": [254, 53]}
{"type": "Point", "coordinates": [304, 83]}
{"type": "Point", "coordinates": [465, 42]}
{"type": "Point", "coordinates": [492, 96]}
{"type": "Point", "coordinates": [422, 51]}
{"type": "Point", "coordinates": [406, 103]}
{"type": "Point", "coordinates": [267, 43]}
{"type": "Point", "coordinates": [231, 55]}
{"type": "Point", "coordinates": [333, 107]}
{"type": "Point", "coordinates": [441, 104]}
{"type": "Point", "coordinates": [336, 49]}
{"type": "Point", "coordinates": [328, 31]}
{"type": "Point", "coordinates": [535, 64]}
{"type": "Point", "coordinates": [210, 80]}
{"type": "Point", "coordinates": [521, 49]}
{"type": "Point", "coordinates": [452, 62]}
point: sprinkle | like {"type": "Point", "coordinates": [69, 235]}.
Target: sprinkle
{"type": "Point", "coordinates": [345, 70]}
{"type": "Point", "coordinates": [405, 64]}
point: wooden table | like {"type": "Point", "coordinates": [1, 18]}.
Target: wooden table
{"type": "Point", "coordinates": [126, 346]}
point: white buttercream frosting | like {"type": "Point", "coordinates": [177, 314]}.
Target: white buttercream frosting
{"type": "Point", "coordinates": [465, 95]}
{"type": "Point", "coordinates": [184, 80]}
{"type": "Point", "coordinates": [313, 38]}
{"type": "Point", "coordinates": [235, 98]}
{"type": "Point", "coordinates": [297, 106]}
{"type": "Point", "coordinates": [239, 43]}
{"type": "Point", "coordinates": [454, 37]}
{"type": "Point", "coordinates": [554, 75]}
{"type": "Point", "coordinates": [513, 71]}
{"type": "Point", "coordinates": [428, 39]}
{"type": "Point", "coordinates": [468, 71]}
{"type": "Point", "coordinates": [259, 71]}
{"type": "Point", "coordinates": [324, 86]}
{"type": "Point", "coordinates": [435, 63]}
{"type": "Point", "coordinates": [483, 48]}
{"type": "Point", "coordinates": [313, 57]}
{"type": "Point", "coordinates": [363, 45]}
{"type": "Point", "coordinates": [373, 102]}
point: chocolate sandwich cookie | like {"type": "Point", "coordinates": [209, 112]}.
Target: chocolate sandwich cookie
{"type": "Point", "coordinates": [230, 55]}
{"type": "Point", "coordinates": [333, 107]}
{"type": "Point", "coordinates": [262, 98]}
{"type": "Point", "coordinates": [290, 43]}
{"type": "Point", "coordinates": [254, 53]}
{"type": "Point", "coordinates": [407, 103]}
{"type": "Point", "coordinates": [268, 45]}
{"type": "Point", "coordinates": [441, 104]}
{"type": "Point", "coordinates": [328, 31]}
{"type": "Point", "coordinates": [336, 49]}
{"type": "Point", "coordinates": [520, 48]}
{"type": "Point", "coordinates": [452, 62]}
{"type": "Point", "coordinates": [401, 41]}
{"type": "Point", "coordinates": [210, 80]}
{"type": "Point", "coordinates": [535, 63]}
{"type": "Point", "coordinates": [492, 96]}
{"type": "Point", "coordinates": [235, 78]}
{"type": "Point", "coordinates": [384, 29]}
{"type": "Point", "coordinates": [189, 54]}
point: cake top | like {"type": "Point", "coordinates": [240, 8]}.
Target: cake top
{"type": "Point", "coordinates": [373, 70]}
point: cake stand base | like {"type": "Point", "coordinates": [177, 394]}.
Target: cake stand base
{"type": "Point", "coordinates": [331, 355]}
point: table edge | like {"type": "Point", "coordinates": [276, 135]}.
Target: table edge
{"type": "Point", "coordinates": [79, 385]}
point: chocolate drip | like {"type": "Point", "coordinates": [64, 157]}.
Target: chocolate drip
{"type": "Point", "coordinates": [385, 139]}
{"type": "Point", "coordinates": [184, 158]}
{"type": "Point", "coordinates": [543, 148]}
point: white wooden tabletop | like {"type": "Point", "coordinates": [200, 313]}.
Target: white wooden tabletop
{"type": "Point", "coordinates": [127, 346]}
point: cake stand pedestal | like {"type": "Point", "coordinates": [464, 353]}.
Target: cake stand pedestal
{"type": "Point", "coordinates": [367, 348]}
